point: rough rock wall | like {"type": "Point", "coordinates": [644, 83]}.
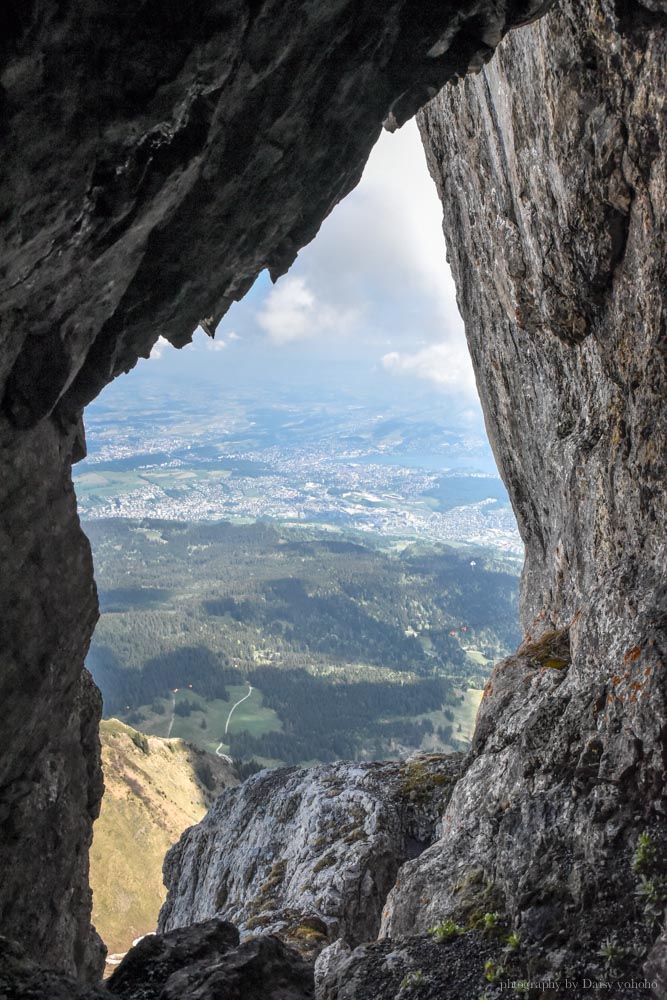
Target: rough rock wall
{"type": "Point", "coordinates": [156, 157]}
{"type": "Point", "coordinates": [320, 849]}
{"type": "Point", "coordinates": [551, 165]}
{"type": "Point", "coordinates": [200, 962]}
{"type": "Point", "coordinates": [50, 778]}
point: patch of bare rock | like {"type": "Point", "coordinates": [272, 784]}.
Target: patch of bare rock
{"type": "Point", "coordinates": [319, 851]}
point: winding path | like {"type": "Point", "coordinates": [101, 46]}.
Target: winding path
{"type": "Point", "coordinates": [173, 716]}
{"type": "Point", "coordinates": [225, 756]}
{"type": "Point", "coordinates": [236, 705]}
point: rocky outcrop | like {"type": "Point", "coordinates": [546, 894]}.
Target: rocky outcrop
{"type": "Point", "coordinates": [22, 979]}
{"type": "Point", "coordinates": [319, 851]}
{"type": "Point", "coordinates": [551, 166]}
{"type": "Point", "coordinates": [155, 159]}
{"type": "Point", "coordinates": [415, 967]}
{"type": "Point", "coordinates": [51, 796]}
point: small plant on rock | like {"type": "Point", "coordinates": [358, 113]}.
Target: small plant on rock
{"type": "Point", "coordinates": [492, 971]}
{"type": "Point", "coordinates": [445, 931]}
{"type": "Point", "coordinates": [513, 941]}
{"type": "Point", "coordinates": [652, 895]}
{"type": "Point", "coordinates": [611, 953]}
{"type": "Point", "coordinates": [645, 851]}
{"type": "Point", "coordinates": [490, 922]}
{"type": "Point", "coordinates": [412, 979]}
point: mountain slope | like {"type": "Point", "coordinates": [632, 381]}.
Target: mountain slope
{"type": "Point", "coordinates": [155, 788]}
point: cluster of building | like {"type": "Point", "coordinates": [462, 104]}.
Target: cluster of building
{"type": "Point", "coordinates": [372, 498]}
{"type": "Point", "coordinates": [335, 478]}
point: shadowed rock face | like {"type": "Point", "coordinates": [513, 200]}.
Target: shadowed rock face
{"type": "Point", "coordinates": [163, 155]}
{"type": "Point", "coordinates": [156, 157]}
{"type": "Point", "coordinates": [200, 962]}
{"type": "Point", "coordinates": [551, 166]}
{"type": "Point", "coordinates": [205, 962]}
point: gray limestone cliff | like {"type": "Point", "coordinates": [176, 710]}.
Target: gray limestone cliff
{"type": "Point", "coordinates": [155, 158]}
{"type": "Point", "coordinates": [552, 167]}
{"type": "Point", "coordinates": [308, 854]}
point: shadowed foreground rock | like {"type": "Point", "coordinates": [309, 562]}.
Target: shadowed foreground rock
{"type": "Point", "coordinates": [155, 958]}
{"type": "Point", "coordinates": [23, 979]}
{"type": "Point", "coordinates": [200, 962]}
{"type": "Point", "coordinates": [206, 962]}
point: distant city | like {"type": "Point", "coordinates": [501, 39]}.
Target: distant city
{"type": "Point", "coordinates": [337, 463]}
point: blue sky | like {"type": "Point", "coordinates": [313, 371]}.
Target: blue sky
{"type": "Point", "coordinates": [369, 305]}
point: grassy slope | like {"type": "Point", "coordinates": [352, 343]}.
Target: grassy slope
{"type": "Point", "coordinates": [150, 799]}
{"type": "Point", "coordinates": [467, 713]}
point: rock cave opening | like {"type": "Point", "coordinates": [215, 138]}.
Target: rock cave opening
{"type": "Point", "coordinates": [155, 161]}
{"type": "Point", "coordinates": [337, 412]}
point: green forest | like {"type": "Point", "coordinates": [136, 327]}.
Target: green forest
{"type": "Point", "coordinates": [353, 648]}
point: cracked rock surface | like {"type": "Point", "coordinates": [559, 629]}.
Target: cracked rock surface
{"type": "Point", "coordinates": [308, 854]}
{"type": "Point", "coordinates": [551, 167]}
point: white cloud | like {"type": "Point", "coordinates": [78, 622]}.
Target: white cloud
{"type": "Point", "coordinates": [159, 347]}
{"type": "Point", "coordinates": [375, 281]}
{"type": "Point", "coordinates": [216, 345]}
{"type": "Point", "coordinates": [293, 312]}
{"type": "Point", "coordinates": [288, 312]}
{"type": "Point", "coordinates": [446, 364]}
{"type": "Point", "coordinates": [233, 335]}
{"type": "Point", "coordinates": [388, 232]}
